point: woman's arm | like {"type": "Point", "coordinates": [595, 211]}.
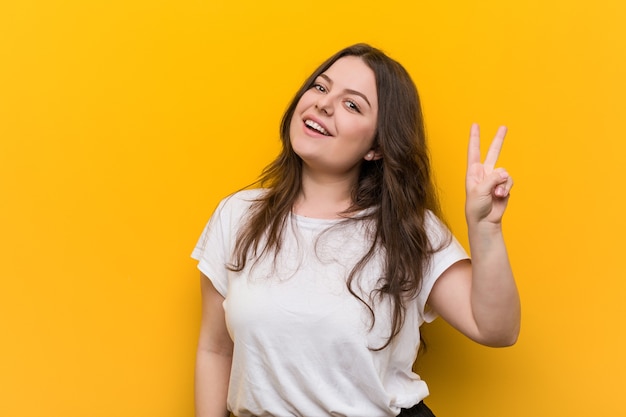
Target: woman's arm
{"type": "Point", "coordinates": [214, 356]}
{"type": "Point", "coordinates": [480, 298]}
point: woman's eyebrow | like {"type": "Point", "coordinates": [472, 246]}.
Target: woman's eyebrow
{"type": "Point", "coordinates": [347, 90]}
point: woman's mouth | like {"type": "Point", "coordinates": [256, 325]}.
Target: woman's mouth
{"type": "Point", "coordinates": [310, 124]}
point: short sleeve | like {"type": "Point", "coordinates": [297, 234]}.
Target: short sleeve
{"type": "Point", "coordinates": [214, 247]}
{"type": "Point", "coordinates": [216, 244]}
{"type": "Point", "coordinates": [448, 255]}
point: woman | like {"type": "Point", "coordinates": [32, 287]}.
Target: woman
{"type": "Point", "coordinates": [315, 286]}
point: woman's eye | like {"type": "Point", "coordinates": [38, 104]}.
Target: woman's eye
{"type": "Point", "coordinates": [319, 87]}
{"type": "Point", "coordinates": [353, 106]}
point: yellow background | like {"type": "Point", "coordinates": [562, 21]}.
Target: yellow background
{"type": "Point", "coordinates": [123, 122]}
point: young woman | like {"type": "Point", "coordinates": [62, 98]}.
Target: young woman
{"type": "Point", "coordinates": [314, 287]}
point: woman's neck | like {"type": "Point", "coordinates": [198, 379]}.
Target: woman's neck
{"type": "Point", "coordinates": [324, 197]}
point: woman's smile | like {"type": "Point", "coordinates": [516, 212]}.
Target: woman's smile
{"type": "Point", "coordinates": [342, 104]}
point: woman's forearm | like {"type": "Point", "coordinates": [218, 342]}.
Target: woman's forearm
{"type": "Point", "coordinates": [494, 297]}
{"type": "Point", "coordinates": [211, 383]}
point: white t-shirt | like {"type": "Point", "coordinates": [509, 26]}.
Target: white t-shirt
{"type": "Point", "coordinates": [302, 342]}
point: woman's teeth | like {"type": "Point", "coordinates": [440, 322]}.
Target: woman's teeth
{"type": "Point", "coordinates": [315, 126]}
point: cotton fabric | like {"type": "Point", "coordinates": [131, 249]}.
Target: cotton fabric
{"type": "Point", "coordinates": [303, 345]}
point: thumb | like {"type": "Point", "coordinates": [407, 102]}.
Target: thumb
{"type": "Point", "coordinates": [495, 183]}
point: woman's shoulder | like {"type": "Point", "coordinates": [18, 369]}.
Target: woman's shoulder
{"type": "Point", "coordinates": [431, 219]}
{"type": "Point", "coordinates": [248, 194]}
{"type": "Point", "coordinates": [241, 200]}
{"type": "Point", "coordinates": [437, 229]}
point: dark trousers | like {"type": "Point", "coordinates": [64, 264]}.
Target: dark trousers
{"type": "Point", "coordinates": [418, 410]}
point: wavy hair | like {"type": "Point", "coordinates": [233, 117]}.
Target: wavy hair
{"type": "Point", "coordinates": [397, 190]}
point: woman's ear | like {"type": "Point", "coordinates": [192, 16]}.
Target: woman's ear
{"type": "Point", "coordinates": [373, 155]}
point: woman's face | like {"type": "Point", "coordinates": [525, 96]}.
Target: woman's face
{"type": "Point", "coordinates": [334, 123]}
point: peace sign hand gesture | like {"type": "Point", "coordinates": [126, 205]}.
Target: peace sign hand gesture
{"type": "Point", "coordinates": [487, 188]}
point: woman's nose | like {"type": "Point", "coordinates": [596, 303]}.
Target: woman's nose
{"type": "Point", "coordinates": [325, 104]}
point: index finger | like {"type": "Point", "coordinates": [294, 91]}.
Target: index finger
{"type": "Point", "coordinates": [473, 149]}
{"type": "Point", "coordinates": [494, 149]}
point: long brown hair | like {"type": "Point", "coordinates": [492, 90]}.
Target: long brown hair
{"type": "Point", "coordinates": [396, 189]}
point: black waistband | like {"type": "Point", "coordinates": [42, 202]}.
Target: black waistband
{"type": "Point", "coordinates": [418, 410]}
